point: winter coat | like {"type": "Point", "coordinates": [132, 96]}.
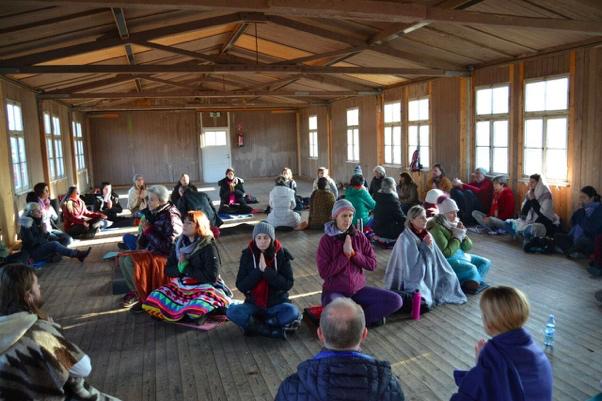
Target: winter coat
{"type": "Point", "coordinates": [75, 212]}
{"type": "Point", "coordinates": [282, 202]}
{"type": "Point", "coordinates": [224, 190]}
{"type": "Point", "coordinates": [502, 205]}
{"type": "Point", "coordinates": [194, 200]}
{"type": "Point", "coordinates": [134, 202]}
{"type": "Point", "coordinates": [538, 210]}
{"type": "Point", "coordinates": [175, 194]}
{"type": "Point", "coordinates": [280, 277]}
{"type": "Point", "coordinates": [415, 265]}
{"type": "Point", "coordinates": [590, 226]}
{"type": "Point", "coordinates": [32, 233]}
{"type": "Point", "coordinates": [408, 194]}
{"type": "Point", "coordinates": [483, 190]}
{"type": "Point", "coordinates": [320, 208]}
{"type": "Point", "coordinates": [444, 184]}
{"type": "Point", "coordinates": [375, 185]}
{"type": "Point", "coordinates": [388, 217]}
{"type": "Point", "coordinates": [447, 243]}
{"type": "Point", "coordinates": [165, 225]}
{"type": "Point", "coordinates": [203, 265]}
{"type": "Point", "coordinates": [511, 367]}
{"type": "Point", "coordinates": [101, 206]}
{"type": "Point", "coordinates": [332, 187]}
{"type": "Point", "coordinates": [342, 274]}
{"type": "Point", "coordinates": [292, 184]}
{"type": "Point", "coordinates": [361, 201]}
{"type": "Point", "coordinates": [342, 375]}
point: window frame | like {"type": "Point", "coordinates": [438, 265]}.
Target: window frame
{"type": "Point", "coordinates": [355, 131]}
{"type": "Point", "coordinates": [492, 119]}
{"type": "Point", "coordinates": [391, 125]}
{"type": "Point", "coordinates": [21, 152]}
{"type": "Point", "coordinates": [54, 146]}
{"type": "Point", "coordinates": [418, 124]}
{"type": "Point", "coordinates": [313, 138]}
{"type": "Point", "coordinates": [546, 115]}
{"type": "Point", "coordinates": [78, 146]}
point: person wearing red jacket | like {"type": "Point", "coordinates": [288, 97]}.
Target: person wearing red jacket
{"type": "Point", "coordinates": [78, 221]}
{"type": "Point", "coordinates": [502, 206]}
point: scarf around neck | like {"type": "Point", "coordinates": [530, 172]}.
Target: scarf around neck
{"type": "Point", "coordinates": [420, 234]}
{"type": "Point", "coordinates": [187, 249]}
{"type": "Point", "coordinates": [444, 221]}
{"type": "Point", "coordinates": [260, 292]}
{"type": "Point", "coordinates": [332, 230]}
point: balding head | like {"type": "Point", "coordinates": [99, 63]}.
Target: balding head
{"type": "Point", "coordinates": [342, 325]}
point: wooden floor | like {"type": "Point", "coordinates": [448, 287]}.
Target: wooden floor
{"type": "Point", "coordinates": [137, 358]}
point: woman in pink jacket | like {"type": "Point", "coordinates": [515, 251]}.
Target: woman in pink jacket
{"type": "Point", "coordinates": [343, 255]}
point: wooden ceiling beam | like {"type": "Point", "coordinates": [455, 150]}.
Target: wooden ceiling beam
{"type": "Point", "coordinates": [236, 33]}
{"type": "Point", "coordinates": [348, 9]}
{"type": "Point", "coordinates": [221, 68]}
{"type": "Point", "coordinates": [122, 29]}
{"type": "Point", "coordinates": [55, 20]}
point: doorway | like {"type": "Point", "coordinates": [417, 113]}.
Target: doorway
{"type": "Point", "coordinates": [215, 153]}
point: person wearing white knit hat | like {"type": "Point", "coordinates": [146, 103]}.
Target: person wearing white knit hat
{"type": "Point", "coordinates": [430, 201]}
{"type": "Point", "coordinates": [450, 235]}
{"type": "Point", "coordinates": [379, 176]}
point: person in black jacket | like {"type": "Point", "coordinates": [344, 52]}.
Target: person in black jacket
{"type": "Point", "coordinates": [379, 176]}
{"type": "Point", "coordinates": [36, 240]}
{"type": "Point", "coordinates": [183, 184]}
{"type": "Point", "coordinates": [191, 199]}
{"type": "Point", "coordinates": [195, 288]}
{"type": "Point", "coordinates": [107, 202]}
{"type": "Point", "coordinates": [389, 219]}
{"type": "Point", "coordinates": [265, 276]}
{"type": "Point", "coordinates": [232, 194]}
{"type": "Point", "coordinates": [341, 371]}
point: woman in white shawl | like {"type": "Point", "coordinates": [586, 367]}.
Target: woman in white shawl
{"type": "Point", "coordinates": [537, 218]}
{"type": "Point", "coordinates": [417, 263]}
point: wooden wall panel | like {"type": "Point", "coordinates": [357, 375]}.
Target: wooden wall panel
{"type": "Point", "coordinates": [309, 166]}
{"type": "Point", "coordinates": [270, 142]}
{"type": "Point", "coordinates": [547, 65]}
{"type": "Point", "coordinates": [214, 122]}
{"type": "Point", "coordinates": [160, 145]}
{"type": "Point", "coordinates": [491, 75]}
{"type": "Point", "coordinates": [445, 124]}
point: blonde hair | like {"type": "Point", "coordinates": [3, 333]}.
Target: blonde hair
{"type": "Point", "coordinates": [504, 309]}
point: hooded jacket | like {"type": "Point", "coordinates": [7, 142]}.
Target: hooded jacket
{"type": "Point", "coordinates": [361, 201]}
{"type": "Point", "coordinates": [32, 234]}
{"type": "Point", "coordinates": [349, 376]}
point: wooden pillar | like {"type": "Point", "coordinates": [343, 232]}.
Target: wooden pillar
{"type": "Point", "coordinates": [71, 138]}
{"type": "Point", "coordinates": [329, 130]}
{"type": "Point", "coordinates": [8, 214]}
{"type": "Point", "coordinates": [43, 148]}
{"type": "Point", "coordinates": [298, 120]}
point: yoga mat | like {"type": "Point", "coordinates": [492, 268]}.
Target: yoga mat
{"type": "Point", "coordinates": [207, 325]}
{"type": "Point", "coordinates": [110, 255]}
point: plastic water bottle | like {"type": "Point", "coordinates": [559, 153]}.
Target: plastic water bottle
{"type": "Point", "coordinates": [416, 299]}
{"type": "Point", "coordinates": [550, 330]}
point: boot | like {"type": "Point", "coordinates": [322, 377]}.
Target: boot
{"type": "Point", "coordinates": [81, 255]}
{"type": "Point", "coordinates": [257, 328]}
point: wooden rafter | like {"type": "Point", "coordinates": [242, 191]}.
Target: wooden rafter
{"type": "Point", "coordinates": [350, 9]}
{"type": "Point", "coordinates": [236, 33]}
{"type": "Point", "coordinates": [122, 28]}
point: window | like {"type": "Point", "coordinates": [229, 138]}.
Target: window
{"type": "Point", "coordinates": [353, 135]}
{"type": "Point", "coordinates": [313, 137]}
{"type": "Point", "coordinates": [393, 133]}
{"type": "Point", "coordinates": [54, 146]}
{"type": "Point", "coordinates": [491, 129]}
{"type": "Point", "coordinates": [78, 145]}
{"type": "Point", "coordinates": [419, 129]}
{"type": "Point", "coordinates": [215, 137]}
{"type": "Point", "coordinates": [17, 146]}
{"type": "Point", "coordinates": [546, 128]}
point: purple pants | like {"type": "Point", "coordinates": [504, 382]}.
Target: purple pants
{"type": "Point", "coordinates": [376, 302]}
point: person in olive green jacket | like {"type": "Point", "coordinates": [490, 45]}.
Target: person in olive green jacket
{"type": "Point", "coordinates": [360, 198]}
{"type": "Point", "coordinates": [450, 235]}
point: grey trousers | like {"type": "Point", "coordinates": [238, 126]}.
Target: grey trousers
{"type": "Point", "coordinates": [126, 264]}
{"type": "Point", "coordinates": [493, 222]}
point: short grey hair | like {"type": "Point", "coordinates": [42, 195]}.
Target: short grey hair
{"type": "Point", "coordinates": [388, 186]}
{"type": "Point", "coordinates": [160, 191]}
{"type": "Point", "coordinates": [342, 323]}
{"type": "Point", "coordinates": [414, 212]}
{"type": "Point", "coordinates": [31, 207]}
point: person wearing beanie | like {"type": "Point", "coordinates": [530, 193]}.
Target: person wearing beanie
{"type": "Point", "coordinates": [232, 194]}
{"type": "Point", "coordinates": [379, 176]}
{"type": "Point", "coordinates": [265, 276]}
{"type": "Point", "coordinates": [137, 194]}
{"type": "Point", "coordinates": [320, 205]}
{"type": "Point", "coordinates": [450, 236]}
{"type": "Point", "coordinates": [343, 255]}
{"type": "Point", "coordinates": [358, 195]}
{"type": "Point", "coordinates": [430, 201]}
{"type": "Point", "coordinates": [357, 170]}
{"type": "Point", "coordinates": [502, 207]}
{"type": "Point", "coordinates": [389, 219]}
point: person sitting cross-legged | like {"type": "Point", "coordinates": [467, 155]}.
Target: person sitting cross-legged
{"type": "Point", "coordinates": [37, 361]}
{"type": "Point", "coordinates": [320, 205]}
{"type": "Point", "coordinates": [265, 276]}
{"type": "Point", "coordinates": [341, 371]}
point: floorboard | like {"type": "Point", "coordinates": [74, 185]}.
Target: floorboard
{"type": "Point", "coordinates": [140, 359]}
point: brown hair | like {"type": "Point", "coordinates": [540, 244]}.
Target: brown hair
{"type": "Point", "coordinates": [16, 280]}
{"type": "Point", "coordinates": [203, 228]}
{"type": "Point", "coordinates": [504, 309]}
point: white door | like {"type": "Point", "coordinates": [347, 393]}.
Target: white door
{"type": "Point", "coordinates": [215, 153]}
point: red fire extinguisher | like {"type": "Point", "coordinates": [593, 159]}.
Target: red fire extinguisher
{"type": "Point", "coordinates": [240, 136]}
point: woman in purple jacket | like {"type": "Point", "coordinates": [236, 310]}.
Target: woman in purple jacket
{"type": "Point", "coordinates": [510, 366]}
{"type": "Point", "coordinates": [343, 255]}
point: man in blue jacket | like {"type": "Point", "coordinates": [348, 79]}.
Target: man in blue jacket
{"type": "Point", "coordinates": [341, 371]}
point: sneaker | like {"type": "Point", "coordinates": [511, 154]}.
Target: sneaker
{"type": "Point", "coordinates": [129, 300]}
{"type": "Point", "coordinates": [82, 255]}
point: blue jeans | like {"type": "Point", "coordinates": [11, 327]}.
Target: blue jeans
{"type": "Point", "coordinates": [276, 316]}
{"type": "Point", "coordinates": [131, 241]}
{"type": "Point", "coordinates": [63, 238]}
{"type": "Point", "coordinates": [50, 248]}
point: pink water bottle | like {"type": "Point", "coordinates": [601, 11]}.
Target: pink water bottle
{"type": "Point", "coordinates": [416, 299]}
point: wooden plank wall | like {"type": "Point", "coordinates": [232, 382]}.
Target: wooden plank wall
{"type": "Point", "coordinates": [309, 166]}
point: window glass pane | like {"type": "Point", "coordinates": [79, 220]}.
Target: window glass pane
{"type": "Point", "coordinates": [482, 157]}
{"type": "Point", "coordinates": [411, 150]}
{"type": "Point", "coordinates": [11, 117]}
{"type": "Point", "coordinates": [424, 135]}
{"type": "Point", "coordinates": [51, 165]}
{"type": "Point", "coordinates": [58, 147]}
{"type": "Point", "coordinates": [392, 112]}
{"type": "Point", "coordinates": [482, 133]}
{"type": "Point", "coordinates": [484, 101]}
{"type": "Point", "coordinates": [17, 176]}
{"type": "Point", "coordinates": [425, 154]}
{"type": "Point", "coordinates": [74, 128]}
{"type": "Point", "coordinates": [56, 126]}
{"type": "Point", "coordinates": [220, 138]}
{"type": "Point", "coordinates": [397, 154]}
{"type": "Point", "coordinates": [534, 133]}
{"type": "Point", "coordinates": [313, 122]}
{"type": "Point", "coordinates": [500, 133]}
{"type": "Point", "coordinates": [424, 109]}
{"type": "Point", "coordinates": [388, 133]}
{"type": "Point", "coordinates": [500, 160]}
{"type": "Point", "coordinates": [500, 100]}
{"type": "Point", "coordinates": [79, 130]}
{"type": "Point", "coordinates": [349, 137]}
{"type": "Point", "coordinates": [22, 156]}
{"type": "Point", "coordinates": [535, 96]}
{"type": "Point", "coordinates": [352, 117]}
{"type": "Point", "coordinates": [24, 176]}
{"type": "Point", "coordinates": [556, 164]}
{"type": "Point", "coordinates": [18, 118]}
{"type": "Point", "coordinates": [413, 135]}
{"type": "Point", "coordinates": [350, 152]}
{"type": "Point", "coordinates": [14, 150]}
{"type": "Point", "coordinates": [533, 161]}
{"type": "Point", "coordinates": [47, 128]}
{"type": "Point", "coordinates": [413, 113]}
{"type": "Point", "coordinates": [49, 148]}
{"type": "Point", "coordinates": [397, 135]}
{"type": "Point", "coordinates": [556, 133]}
{"type": "Point", "coordinates": [388, 154]}
{"type": "Point", "coordinates": [557, 95]}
